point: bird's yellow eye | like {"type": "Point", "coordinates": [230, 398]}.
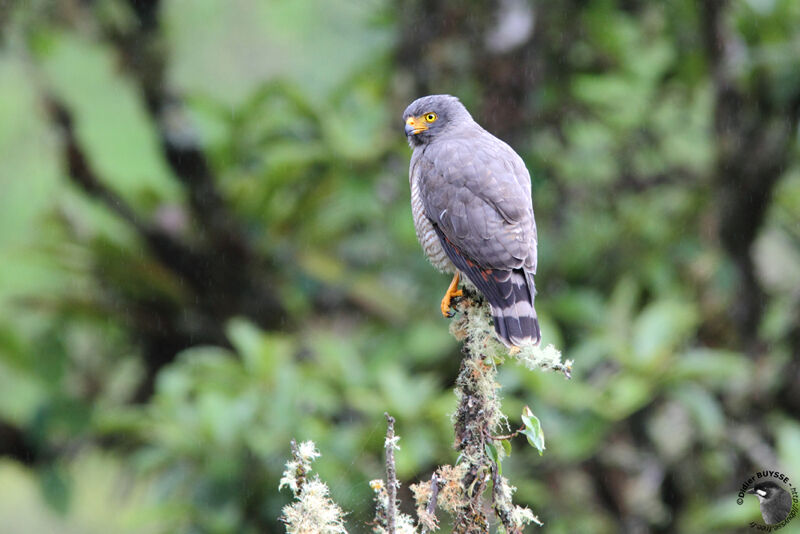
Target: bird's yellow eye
{"type": "Point", "coordinates": [430, 117]}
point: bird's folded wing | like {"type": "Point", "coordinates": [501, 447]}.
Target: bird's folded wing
{"type": "Point", "coordinates": [474, 191]}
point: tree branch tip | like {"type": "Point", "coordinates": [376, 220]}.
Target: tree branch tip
{"type": "Point", "coordinates": [473, 326]}
{"type": "Point", "coordinates": [312, 510]}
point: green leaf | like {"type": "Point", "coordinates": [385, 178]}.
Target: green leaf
{"type": "Point", "coordinates": [506, 446]}
{"type": "Point", "coordinates": [314, 41]}
{"type": "Point", "coordinates": [29, 185]}
{"type": "Point", "coordinates": [624, 395]}
{"type": "Point", "coordinates": [660, 328]}
{"type": "Point", "coordinates": [705, 410]}
{"type": "Point", "coordinates": [261, 352]}
{"type": "Point", "coordinates": [711, 366]}
{"type": "Point", "coordinates": [493, 454]}
{"type": "Point", "coordinates": [55, 486]}
{"type": "Point", "coordinates": [533, 430]}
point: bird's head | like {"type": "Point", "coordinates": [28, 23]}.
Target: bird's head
{"type": "Point", "coordinates": [765, 490]}
{"type": "Point", "coordinates": [431, 116]}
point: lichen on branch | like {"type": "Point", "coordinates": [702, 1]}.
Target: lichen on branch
{"type": "Point", "coordinates": [470, 491]}
{"type": "Point", "coordinates": [313, 511]}
{"type": "Point", "coordinates": [472, 325]}
{"type": "Point", "coordinates": [478, 418]}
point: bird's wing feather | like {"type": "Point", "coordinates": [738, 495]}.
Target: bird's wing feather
{"type": "Point", "coordinates": [477, 192]}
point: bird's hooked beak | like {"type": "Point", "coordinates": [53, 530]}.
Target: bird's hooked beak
{"type": "Point", "coordinates": [415, 125]}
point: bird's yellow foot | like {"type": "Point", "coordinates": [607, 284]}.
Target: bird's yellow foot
{"type": "Point", "coordinates": [452, 292]}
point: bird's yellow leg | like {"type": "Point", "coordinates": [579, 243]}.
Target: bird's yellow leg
{"type": "Point", "coordinates": [452, 291]}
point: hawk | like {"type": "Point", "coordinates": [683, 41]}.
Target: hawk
{"type": "Point", "coordinates": [471, 200]}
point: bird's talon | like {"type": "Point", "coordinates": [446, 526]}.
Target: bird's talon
{"type": "Point", "coordinates": [452, 292]}
{"type": "Point", "coordinates": [447, 313]}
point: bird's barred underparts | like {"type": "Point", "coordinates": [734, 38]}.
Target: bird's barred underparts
{"type": "Point", "coordinates": [426, 235]}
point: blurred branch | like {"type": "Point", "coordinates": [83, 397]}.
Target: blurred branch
{"type": "Point", "coordinates": [505, 60]}
{"type": "Point", "coordinates": [145, 59]}
{"type": "Point", "coordinates": [223, 282]}
{"type": "Point", "coordinates": [754, 138]}
{"type": "Point", "coordinates": [80, 171]}
{"type": "Point", "coordinates": [388, 519]}
{"type": "Point", "coordinates": [15, 444]}
{"type": "Point", "coordinates": [429, 522]}
{"type": "Point", "coordinates": [223, 274]}
{"type": "Point", "coordinates": [161, 344]}
{"type": "Point", "coordinates": [391, 475]}
{"type": "Point", "coordinates": [238, 264]}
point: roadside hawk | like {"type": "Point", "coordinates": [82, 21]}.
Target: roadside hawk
{"type": "Point", "coordinates": [471, 200]}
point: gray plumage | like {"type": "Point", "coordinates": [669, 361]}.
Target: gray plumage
{"type": "Point", "coordinates": [471, 200]}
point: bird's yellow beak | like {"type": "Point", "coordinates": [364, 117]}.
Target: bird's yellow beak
{"type": "Point", "coordinates": [415, 125]}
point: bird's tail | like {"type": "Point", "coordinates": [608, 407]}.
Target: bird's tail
{"type": "Point", "coordinates": [510, 294]}
{"type": "Point", "coordinates": [514, 316]}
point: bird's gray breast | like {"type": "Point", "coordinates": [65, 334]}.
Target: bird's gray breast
{"type": "Point", "coordinates": [426, 235]}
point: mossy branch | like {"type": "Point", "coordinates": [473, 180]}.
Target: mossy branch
{"type": "Point", "coordinates": [461, 490]}
{"type": "Point", "coordinates": [313, 511]}
{"type": "Point", "coordinates": [473, 325]}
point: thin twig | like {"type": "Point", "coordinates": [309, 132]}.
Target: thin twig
{"type": "Point", "coordinates": [391, 475]}
{"type": "Point", "coordinates": [300, 472]}
{"type": "Point", "coordinates": [508, 436]}
{"type": "Point", "coordinates": [436, 485]}
{"type": "Point", "coordinates": [501, 507]}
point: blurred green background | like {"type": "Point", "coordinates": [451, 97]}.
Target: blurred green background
{"type": "Point", "coordinates": [206, 249]}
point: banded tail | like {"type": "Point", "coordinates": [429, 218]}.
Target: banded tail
{"type": "Point", "coordinates": [510, 294]}
{"type": "Point", "coordinates": [514, 316]}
